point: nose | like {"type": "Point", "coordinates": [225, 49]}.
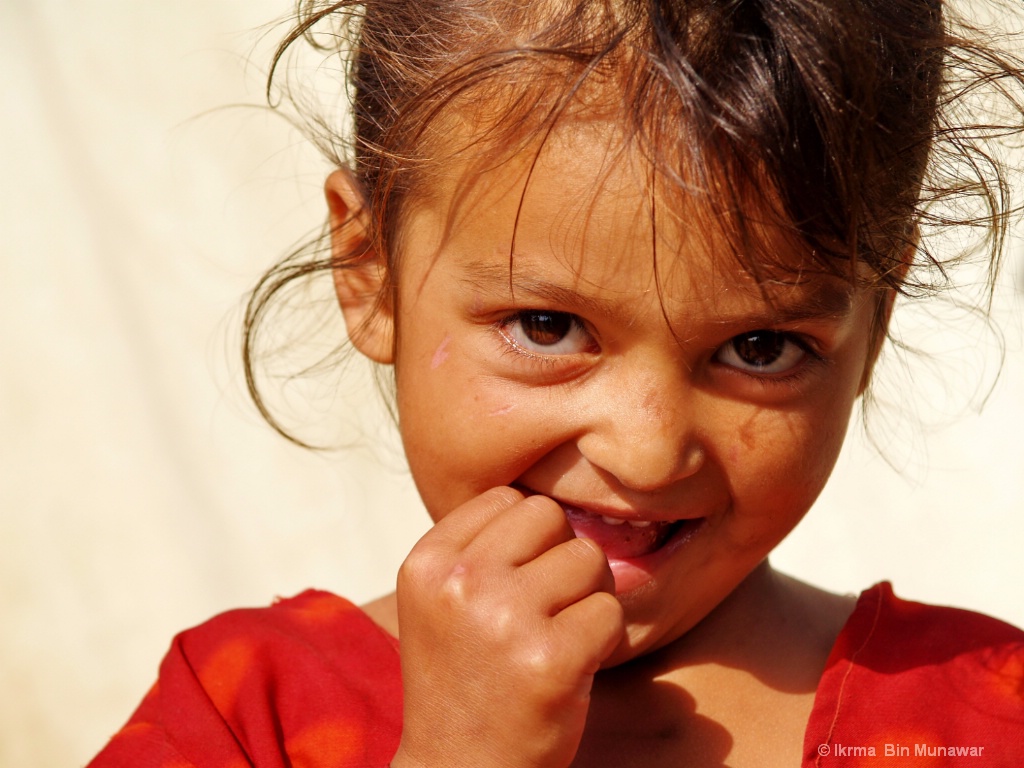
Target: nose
{"type": "Point", "coordinates": [644, 431]}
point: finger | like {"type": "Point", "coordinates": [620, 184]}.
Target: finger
{"type": "Point", "coordinates": [522, 531]}
{"type": "Point", "coordinates": [567, 574]}
{"type": "Point", "coordinates": [593, 626]}
{"type": "Point", "coordinates": [439, 563]}
{"type": "Point", "coordinates": [459, 527]}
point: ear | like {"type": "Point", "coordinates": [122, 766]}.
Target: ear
{"type": "Point", "coordinates": [359, 272]}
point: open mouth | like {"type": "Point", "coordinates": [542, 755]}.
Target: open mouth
{"type": "Point", "coordinates": [623, 539]}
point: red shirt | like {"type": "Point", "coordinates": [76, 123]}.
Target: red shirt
{"type": "Point", "coordinates": [909, 684]}
{"type": "Point", "coordinates": [309, 681]}
{"type": "Point", "coordinates": [312, 681]}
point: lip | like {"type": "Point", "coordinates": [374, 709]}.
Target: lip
{"type": "Point", "coordinates": [599, 510]}
{"type": "Point", "coordinates": [631, 573]}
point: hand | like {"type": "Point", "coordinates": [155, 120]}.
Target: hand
{"type": "Point", "coordinates": [505, 617]}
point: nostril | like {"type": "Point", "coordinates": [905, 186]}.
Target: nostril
{"type": "Point", "coordinates": [644, 441]}
{"type": "Point", "coordinates": [655, 465]}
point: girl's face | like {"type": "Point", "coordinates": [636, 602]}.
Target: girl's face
{"type": "Point", "coordinates": [677, 400]}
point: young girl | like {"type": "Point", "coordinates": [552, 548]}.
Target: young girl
{"type": "Point", "coordinates": [632, 264]}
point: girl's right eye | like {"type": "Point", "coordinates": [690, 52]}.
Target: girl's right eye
{"type": "Point", "coordinates": [546, 333]}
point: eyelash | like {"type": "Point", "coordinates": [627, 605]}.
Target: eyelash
{"type": "Point", "coordinates": [801, 369]}
{"type": "Point", "coordinates": [797, 371]}
{"type": "Point", "coordinates": [576, 324]}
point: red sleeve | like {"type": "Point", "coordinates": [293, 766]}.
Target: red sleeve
{"type": "Point", "coordinates": [310, 681]}
{"type": "Point", "coordinates": [912, 684]}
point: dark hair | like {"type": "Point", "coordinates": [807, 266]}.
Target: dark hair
{"type": "Point", "coordinates": [852, 125]}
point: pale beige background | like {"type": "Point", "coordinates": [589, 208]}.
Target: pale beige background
{"type": "Point", "coordinates": [139, 493]}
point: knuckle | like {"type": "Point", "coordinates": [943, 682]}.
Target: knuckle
{"type": "Point", "coordinates": [500, 622]}
{"type": "Point", "coordinates": [539, 661]}
{"type": "Point", "coordinates": [433, 572]}
{"type": "Point", "coordinates": [456, 585]}
{"type": "Point", "coordinates": [420, 565]}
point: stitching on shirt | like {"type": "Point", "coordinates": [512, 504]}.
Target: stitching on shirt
{"type": "Point", "coordinates": [849, 671]}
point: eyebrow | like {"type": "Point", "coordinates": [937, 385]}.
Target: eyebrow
{"type": "Point", "coordinates": [490, 277]}
{"type": "Point", "coordinates": [832, 298]}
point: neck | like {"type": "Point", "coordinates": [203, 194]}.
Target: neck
{"type": "Point", "coordinates": [739, 686]}
{"type": "Point", "coordinates": [774, 627]}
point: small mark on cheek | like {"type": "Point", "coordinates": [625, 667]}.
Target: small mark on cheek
{"type": "Point", "coordinates": [747, 435]}
{"type": "Point", "coordinates": [440, 354]}
{"type": "Point", "coordinates": [503, 410]}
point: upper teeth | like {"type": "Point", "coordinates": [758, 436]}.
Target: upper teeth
{"type": "Point", "coordinates": [620, 521]}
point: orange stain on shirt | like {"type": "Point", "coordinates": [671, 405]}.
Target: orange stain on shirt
{"type": "Point", "coordinates": [321, 608]}
{"type": "Point", "coordinates": [893, 745]}
{"type": "Point", "coordinates": [334, 743]}
{"type": "Point", "coordinates": [1008, 673]}
{"type": "Point", "coordinates": [225, 670]}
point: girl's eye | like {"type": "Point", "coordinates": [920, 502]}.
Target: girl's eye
{"type": "Point", "coordinates": [547, 333]}
{"type": "Point", "coordinates": [762, 352]}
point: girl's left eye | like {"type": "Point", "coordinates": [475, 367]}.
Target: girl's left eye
{"type": "Point", "coordinates": [547, 333]}
{"type": "Point", "coordinates": [762, 352]}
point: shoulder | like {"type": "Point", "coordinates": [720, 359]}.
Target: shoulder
{"type": "Point", "coordinates": [319, 626]}
{"type": "Point", "coordinates": [310, 675]}
{"type": "Point", "coordinates": [905, 673]}
{"type": "Point", "coordinates": [891, 633]}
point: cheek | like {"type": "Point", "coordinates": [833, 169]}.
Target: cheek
{"type": "Point", "coordinates": [465, 433]}
{"type": "Point", "coordinates": [779, 462]}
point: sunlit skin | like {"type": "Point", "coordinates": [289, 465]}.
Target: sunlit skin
{"type": "Point", "coordinates": [544, 365]}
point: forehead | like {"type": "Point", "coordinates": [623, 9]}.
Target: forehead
{"type": "Point", "coordinates": [585, 201]}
